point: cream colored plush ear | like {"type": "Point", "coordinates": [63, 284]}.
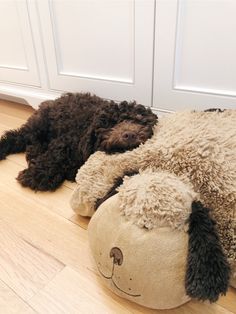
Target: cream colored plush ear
{"type": "Point", "coordinates": [156, 199]}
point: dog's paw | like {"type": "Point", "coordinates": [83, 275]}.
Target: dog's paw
{"type": "Point", "coordinates": [2, 156]}
{"type": "Point", "coordinates": [39, 181]}
{"type": "Point", "coordinates": [25, 178]}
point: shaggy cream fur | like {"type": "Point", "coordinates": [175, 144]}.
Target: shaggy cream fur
{"type": "Point", "coordinates": [197, 147]}
{"type": "Point", "coordinates": [141, 203]}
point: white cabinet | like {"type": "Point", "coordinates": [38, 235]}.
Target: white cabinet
{"type": "Point", "coordinates": [18, 62]}
{"type": "Point", "coordinates": [195, 64]}
{"type": "Point", "coordinates": [101, 46]}
{"type": "Point", "coordinates": [168, 54]}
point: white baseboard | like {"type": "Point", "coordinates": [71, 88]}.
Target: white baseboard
{"type": "Point", "coordinates": [26, 95]}
{"type": "Point", "coordinates": [161, 112]}
{"type": "Point", "coordinates": [33, 96]}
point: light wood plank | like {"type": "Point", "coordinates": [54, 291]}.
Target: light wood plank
{"type": "Point", "coordinates": [3, 129]}
{"type": "Point", "coordinates": [10, 303]}
{"type": "Point", "coordinates": [92, 298]}
{"type": "Point", "coordinates": [83, 296]}
{"type": "Point", "coordinates": [80, 220]}
{"type": "Point", "coordinates": [196, 307]}
{"type": "Point", "coordinates": [59, 237]}
{"type": "Point", "coordinates": [24, 268]}
{"type": "Point", "coordinates": [20, 160]}
{"type": "Point", "coordinates": [10, 122]}
{"type": "Point", "coordinates": [15, 109]}
{"type": "Point", "coordinates": [70, 185]}
{"type": "Point", "coordinates": [57, 201]}
{"type": "Point", "coordinates": [229, 301]}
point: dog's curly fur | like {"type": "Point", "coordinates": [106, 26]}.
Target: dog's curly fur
{"type": "Point", "coordinates": [60, 136]}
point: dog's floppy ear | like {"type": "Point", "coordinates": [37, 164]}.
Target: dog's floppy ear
{"type": "Point", "coordinates": [208, 272]}
{"type": "Point", "coordinates": [137, 113]}
{"type": "Point", "coordinates": [104, 118]}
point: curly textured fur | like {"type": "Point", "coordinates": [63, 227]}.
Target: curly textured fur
{"type": "Point", "coordinates": [140, 201]}
{"type": "Point", "coordinates": [60, 136]}
{"type": "Point", "coordinates": [199, 149]}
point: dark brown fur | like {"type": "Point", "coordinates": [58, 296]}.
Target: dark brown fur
{"type": "Point", "coordinates": [60, 136]}
{"type": "Point", "coordinates": [208, 271]}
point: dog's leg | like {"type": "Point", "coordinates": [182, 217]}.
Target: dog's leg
{"type": "Point", "coordinates": [47, 171]}
{"type": "Point", "coordinates": [34, 150]}
{"type": "Point", "coordinates": [33, 131]}
{"type": "Point", "coordinates": [12, 142]}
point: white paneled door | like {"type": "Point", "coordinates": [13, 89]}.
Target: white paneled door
{"type": "Point", "coordinates": [18, 62]}
{"type": "Point", "coordinates": [195, 49]}
{"type": "Point", "coordinates": [101, 46]}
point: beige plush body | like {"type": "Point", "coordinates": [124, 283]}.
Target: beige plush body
{"type": "Point", "coordinates": [191, 156]}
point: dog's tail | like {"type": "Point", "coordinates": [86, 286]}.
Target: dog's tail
{"type": "Point", "coordinates": [13, 141]}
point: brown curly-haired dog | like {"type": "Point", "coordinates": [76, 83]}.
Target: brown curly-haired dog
{"type": "Point", "coordinates": [60, 136]}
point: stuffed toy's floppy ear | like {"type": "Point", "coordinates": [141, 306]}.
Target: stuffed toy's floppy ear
{"type": "Point", "coordinates": [118, 181]}
{"type": "Point", "coordinates": [208, 271]}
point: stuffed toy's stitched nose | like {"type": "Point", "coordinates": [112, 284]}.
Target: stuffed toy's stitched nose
{"type": "Point", "coordinates": [129, 136]}
{"type": "Point", "coordinates": [117, 256]}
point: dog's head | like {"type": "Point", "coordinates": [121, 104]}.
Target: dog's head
{"type": "Point", "coordinates": [122, 127]}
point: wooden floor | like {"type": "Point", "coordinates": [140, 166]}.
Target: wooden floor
{"type": "Point", "coordinates": [45, 262]}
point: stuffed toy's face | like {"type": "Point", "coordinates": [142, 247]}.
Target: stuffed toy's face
{"type": "Point", "coordinates": [144, 266]}
{"type": "Point", "coordinates": [154, 243]}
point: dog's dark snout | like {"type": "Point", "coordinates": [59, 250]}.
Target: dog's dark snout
{"type": "Point", "coordinates": [117, 256]}
{"type": "Point", "coordinates": [129, 136]}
